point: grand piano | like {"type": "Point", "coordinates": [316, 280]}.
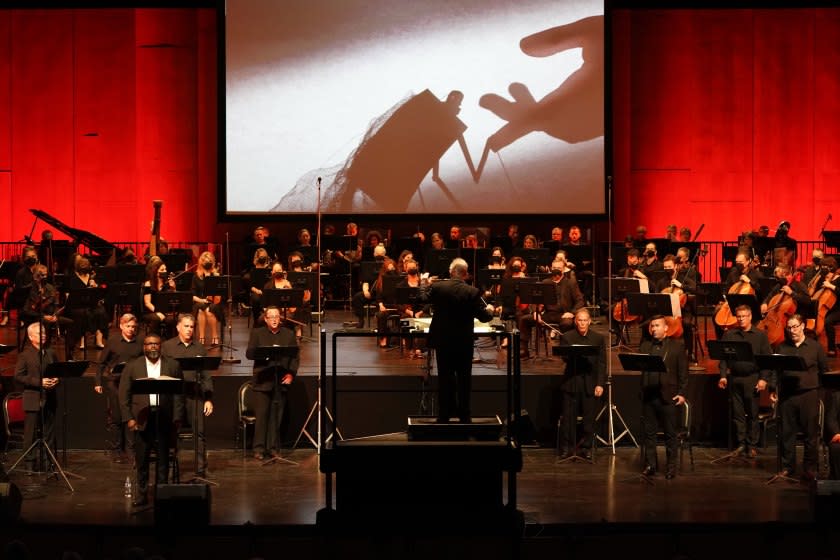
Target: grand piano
{"type": "Point", "coordinates": [107, 251]}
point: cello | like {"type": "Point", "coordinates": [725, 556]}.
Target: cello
{"type": "Point", "coordinates": [674, 325]}
{"type": "Point", "coordinates": [724, 317]}
{"type": "Point", "coordinates": [779, 309]}
{"type": "Point", "coordinates": [621, 310]}
{"type": "Point", "coordinates": [825, 299]}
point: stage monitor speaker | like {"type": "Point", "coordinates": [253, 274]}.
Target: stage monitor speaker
{"type": "Point", "coordinates": [182, 504]}
{"type": "Point", "coordinates": [10, 500]}
{"type": "Point", "coordinates": [825, 500]}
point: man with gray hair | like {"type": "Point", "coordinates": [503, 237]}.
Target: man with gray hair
{"type": "Point", "coordinates": [454, 306]}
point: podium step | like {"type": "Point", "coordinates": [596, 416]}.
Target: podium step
{"type": "Point", "coordinates": [427, 428]}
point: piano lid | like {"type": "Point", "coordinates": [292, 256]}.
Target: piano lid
{"type": "Point", "coordinates": [79, 236]}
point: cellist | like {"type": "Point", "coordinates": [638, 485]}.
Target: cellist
{"type": "Point", "coordinates": [827, 305]}
{"type": "Point", "coordinates": [746, 276]}
{"type": "Point", "coordinates": [683, 279]}
{"type": "Point", "coordinates": [777, 307]}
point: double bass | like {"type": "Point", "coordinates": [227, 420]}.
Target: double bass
{"type": "Point", "coordinates": [724, 317]}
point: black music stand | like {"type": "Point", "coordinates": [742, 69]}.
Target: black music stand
{"type": "Point", "coordinates": [224, 286]}
{"type": "Point", "coordinates": [175, 261]}
{"type": "Point", "coordinates": [438, 260]}
{"type": "Point", "coordinates": [648, 305]}
{"type": "Point", "coordinates": [61, 370]}
{"type": "Point", "coordinates": [534, 258]}
{"type": "Point", "coordinates": [163, 385]}
{"type": "Point", "coordinates": [198, 364]}
{"type": "Point", "coordinates": [730, 351]}
{"type": "Point", "coordinates": [736, 300]}
{"type": "Point", "coordinates": [572, 353]}
{"type": "Point", "coordinates": [832, 239]}
{"type": "Point", "coordinates": [487, 277]}
{"type": "Point", "coordinates": [642, 363]}
{"type": "Point", "coordinates": [619, 287]}
{"type": "Point", "coordinates": [122, 295]}
{"type": "Point", "coordinates": [477, 258]}
{"type": "Point", "coordinates": [274, 354]}
{"type": "Point", "coordinates": [173, 302]}
{"type": "Point", "coordinates": [538, 293]}
{"type": "Point", "coordinates": [368, 271]}
{"type": "Point", "coordinates": [283, 299]}
{"type": "Point", "coordinates": [780, 363]}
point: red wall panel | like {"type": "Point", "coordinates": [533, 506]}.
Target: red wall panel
{"type": "Point", "coordinates": [5, 90]}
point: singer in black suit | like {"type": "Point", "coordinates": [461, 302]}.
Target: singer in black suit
{"type": "Point", "coordinates": [29, 368]}
{"type": "Point", "coordinates": [662, 392]}
{"type": "Point", "coordinates": [150, 417]}
{"type": "Point", "coordinates": [455, 304]}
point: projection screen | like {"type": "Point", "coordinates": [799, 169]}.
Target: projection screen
{"type": "Point", "coordinates": [420, 106]}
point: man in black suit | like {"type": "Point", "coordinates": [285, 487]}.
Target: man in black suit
{"type": "Point", "coordinates": [120, 348]}
{"type": "Point", "coordinates": [185, 346]}
{"type": "Point", "coordinates": [455, 305]}
{"type": "Point", "coordinates": [29, 368]}
{"type": "Point", "coordinates": [150, 417]}
{"type": "Point", "coordinates": [662, 392]}
{"type": "Point", "coordinates": [272, 378]}
{"type": "Point", "coordinates": [583, 383]}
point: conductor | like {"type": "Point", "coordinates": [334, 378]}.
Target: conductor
{"type": "Point", "coordinates": [455, 305]}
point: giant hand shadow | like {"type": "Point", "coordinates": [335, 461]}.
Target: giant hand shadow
{"type": "Point", "coordinates": [574, 111]}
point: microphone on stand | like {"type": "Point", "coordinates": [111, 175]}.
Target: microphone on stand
{"type": "Point", "coordinates": [319, 181]}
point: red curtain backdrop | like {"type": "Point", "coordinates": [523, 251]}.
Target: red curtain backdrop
{"type": "Point", "coordinates": [103, 111]}
{"type": "Point", "coordinates": [727, 118]}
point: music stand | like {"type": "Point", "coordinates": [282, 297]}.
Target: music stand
{"type": "Point", "coordinates": [648, 305]}
{"type": "Point", "coordinates": [283, 299]}
{"type": "Point", "coordinates": [173, 302]}
{"type": "Point", "coordinates": [538, 293]}
{"type": "Point", "coordinates": [534, 258]}
{"type": "Point", "coordinates": [59, 370]}
{"type": "Point", "coordinates": [572, 353]}
{"type": "Point", "coordinates": [223, 286]}
{"type": "Point", "coordinates": [477, 258]}
{"type": "Point", "coordinates": [274, 354]}
{"type": "Point", "coordinates": [737, 300]}
{"type": "Point", "coordinates": [619, 287]}
{"type": "Point", "coordinates": [175, 261]}
{"type": "Point", "coordinates": [832, 239]}
{"type": "Point", "coordinates": [438, 260]}
{"type": "Point", "coordinates": [780, 363]}
{"type": "Point", "coordinates": [192, 389]}
{"type": "Point", "coordinates": [641, 363]}
{"type": "Point", "coordinates": [730, 351]}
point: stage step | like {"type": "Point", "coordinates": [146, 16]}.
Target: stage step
{"type": "Point", "coordinates": [427, 428]}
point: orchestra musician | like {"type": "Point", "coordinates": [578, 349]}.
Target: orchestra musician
{"type": "Point", "coordinates": [87, 319]}
{"type": "Point", "coordinates": [569, 300]}
{"type": "Point", "coordinates": [42, 305]}
{"type": "Point", "coordinates": [302, 313]}
{"type": "Point", "coordinates": [366, 295]}
{"type": "Point", "coordinates": [826, 294]}
{"type": "Point", "coordinates": [412, 280]}
{"type": "Point", "coordinates": [454, 241]}
{"type": "Point", "coordinates": [575, 236]}
{"type": "Point", "coordinates": [813, 269]}
{"type": "Point", "coordinates": [158, 279]}
{"type": "Point", "coordinates": [278, 281]}
{"type": "Point", "coordinates": [261, 262]}
{"type": "Point", "coordinates": [120, 348]}
{"type": "Point", "coordinates": [784, 241]}
{"type": "Point", "coordinates": [29, 368]}
{"type": "Point", "coordinates": [455, 304]}
{"type": "Point", "coordinates": [788, 285]}
{"type": "Point", "coordinates": [650, 260]}
{"type": "Point", "coordinates": [207, 309]}
{"type": "Point", "coordinates": [632, 268]}
{"type": "Point", "coordinates": [683, 279]}
{"type": "Point", "coordinates": [389, 268]}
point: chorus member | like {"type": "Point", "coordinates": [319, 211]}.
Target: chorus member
{"type": "Point", "coordinates": [207, 308]}
{"type": "Point", "coordinates": [199, 401]}
{"type": "Point", "coordinates": [389, 268]}
{"type": "Point", "coordinates": [93, 319]}
{"type": "Point", "coordinates": [150, 417]}
{"type": "Point", "coordinates": [529, 242]}
{"type": "Point", "coordinates": [120, 348]}
{"type": "Point", "coordinates": [455, 305]}
{"type": "Point", "coordinates": [513, 235]}
{"type": "Point", "coordinates": [261, 261]}
{"type": "Point", "coordinates": [157, 280]}
{"type": "Point", "coordinates": [38, 391]}
{"type": "Point", "coordinates": [583, 383]}
{"type": "Point", "coordinates": [271, 380]}
{"type": "Point", "coordinates": [557, 235]}
{"type": "Point", "coordinates": [568, 300]}
{"type": "Point", "coordinates": [661, 393]}
{"type": "Point", "coordinates": [575, 237]}
{"type": "Point", "coordinates": [454, 241]}
{"type": "Point", "coordinates": [798, 398]}
{"type": "Point", "coordinates": [409, 310]}
{"type": "Point", "coordinates": [832, 434]}
{"type": "Point", "coordinates": [42, 306]}
{"type": "Point", "coordinates": [744, 381]}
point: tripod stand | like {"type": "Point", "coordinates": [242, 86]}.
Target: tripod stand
{"type": "Point", "coordinates": [46, 403]}
{"type": "Point", "coordinates": [315, 411]}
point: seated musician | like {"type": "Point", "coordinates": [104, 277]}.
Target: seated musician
{"type": "Point", "coordinates": [454, 241]}
{"type": "Point", "coordinates": [42, 304]}
{"type": "Point", "coordinates": [557, 235]}
{"type": "Point", "coordinates": [683, 277]}
{"type": "Point", "coordinates": [302, 313]}
{"type": "Point", "coordinates": [529, 242]}
{"type": "Point", "coordinates": [812, 271]}
{"type": "Point", "coordinates": [562, 313]}
{"type": "Point", "coordinates": [436, 241]}
{"type": "Point", "coordinates": [306, 250]}
{"type": "Point", "coordinates": [832, 315]}
{"type": "Point", "coordinates": [405, 255]}
{"type": "Point", "coordinates": [93, 319]}
{"type": "Point", "coordinates": [207, 308]}
{"type": "Point", "coordinates": [278, 281]}
{"type": "Point", "coordinates": [158, 279]}
{"type": "Point", "coordinates": [789, 285]}
{"type": "Point", "coordinates": [744, 272]}
{"type": "Point", "coordinates": [261, 239]}
{"type": "Point", "coordinates": [650, 260]}
{"type": "Point", "coordinates": [23, 277]}
{"type": "Point", "coordinates": [632, 269]}
{"type": "Point", "coordinates": [412, 280]}
{"type": "Point", "coordinates": [389, 268]}
{"type": "Point", "coordinates": [261, 261]}
{"type": "Point", "coordinates": [365, 296]}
